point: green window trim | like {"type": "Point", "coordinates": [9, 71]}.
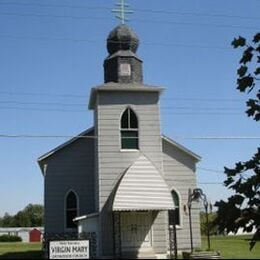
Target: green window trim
{"type": "Point", "coordinates": [129, 130]}
{"type": "Point", "coordinates": [174, 215]}
{"type": "Point", "coordinates": [71, 210]}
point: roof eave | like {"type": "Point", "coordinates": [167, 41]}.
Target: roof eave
{"type": "Point", "coordinates": [181, 147]}
{"type": "Point", "coordinates": [129, 87]}
{"type": "Point", "coordinates": [58, 148]}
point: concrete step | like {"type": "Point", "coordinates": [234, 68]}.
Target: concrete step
{"type": "Point", "coordinates": [144, 254]}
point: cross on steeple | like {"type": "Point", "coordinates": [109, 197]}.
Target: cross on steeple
{"type": "Point", "coordinates": [122, 11]}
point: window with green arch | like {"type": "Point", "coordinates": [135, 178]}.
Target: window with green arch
{"type": "Point", "coordinates": [71, 209]}
{"type": "Point", "coordinates": [174, 215]}
{"type": "Point", "coordinates": [129, 130]}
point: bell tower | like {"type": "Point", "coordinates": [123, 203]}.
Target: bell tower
{"type": "Point", "coordinates": [123, 65]}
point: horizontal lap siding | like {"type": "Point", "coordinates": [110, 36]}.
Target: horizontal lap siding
{"type": "Point", "coordinates": [179, 173]}
{"type": "Point", "coordinates": [159, 232]}
{"type": "Point", "coordinates": [74, 167]}
{"type": "Point", "coordinates": [112, 162]}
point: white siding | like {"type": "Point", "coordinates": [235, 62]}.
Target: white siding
{"type": "Point", "coordinates": [112, 162]}
{"type": "Point", "coordinates": [142, 188]}
{"type": "Point", "coordinates": [179, 173]}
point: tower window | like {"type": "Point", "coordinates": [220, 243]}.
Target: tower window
{"type": "Point", "coordinates": [129, 130]}
{"type": "Point", "coordinates": [174, 215]}
{"type": "Point", "coordinates": [71, 209]}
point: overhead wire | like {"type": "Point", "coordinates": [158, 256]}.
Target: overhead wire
{"type": "Point", "coordinates": [207, 108]}
{"type": "Point", "coordinates": [136, 20]}
{"type": "Point", "coordinates": [81, 95]}
{"type": "Point", "coordinates": [142, 10]}
{"type": "Point", "coordinates": [93, 136]}
{"type": "Point", "coordinates": [136, 9]}
{"type": "Point", "coordinates": [43, 38]}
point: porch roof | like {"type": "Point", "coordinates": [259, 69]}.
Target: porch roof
{"type": "Point", "coordinates": [142, 187]}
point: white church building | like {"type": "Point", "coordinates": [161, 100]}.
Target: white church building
{"type": "Point", "coordinates": [122, 181]}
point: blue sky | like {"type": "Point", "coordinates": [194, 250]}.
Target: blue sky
{"type": "Point", "coordinates": [52, 53]}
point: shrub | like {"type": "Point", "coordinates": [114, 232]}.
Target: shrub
{"type": "Point", "coordinates": [7, 238]}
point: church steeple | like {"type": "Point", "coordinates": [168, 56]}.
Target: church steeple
{"type": "Point", "coordinates": [122, 65]}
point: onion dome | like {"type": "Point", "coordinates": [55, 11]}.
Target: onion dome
{"type": "Point", "coordinates": [123, 38]}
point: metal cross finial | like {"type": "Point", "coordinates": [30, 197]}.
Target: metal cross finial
{"type": "Point", "coordinates": [122, 11]}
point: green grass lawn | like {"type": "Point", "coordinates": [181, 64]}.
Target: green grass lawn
{"type": "Point", "coordinates": [233, 247]}
{"type": "Point", "coordinates": [20, 250]}
{"type": "Point", "coordinates": [230, 247]}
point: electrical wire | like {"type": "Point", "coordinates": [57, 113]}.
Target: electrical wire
{"type": "Point", "coordinates": [168, 12]}
{"type": "Point", "coordinates": [85, 106]}
{"type": "Point", "coordinates": [136, 20]}
{"type": "Point", "coordinates": [87, 137]}
{"type": "Point", "coordinates": [87, 96]}
{"type": "Point", "coordinates": [41, 38]}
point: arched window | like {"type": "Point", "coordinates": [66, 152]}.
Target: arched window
{"type": "Point", "coordinates": [129, 130]}
{"type": "Point", "coordinates": [71, 209]}
{"type": "Point", "coordinates": [174, 215]}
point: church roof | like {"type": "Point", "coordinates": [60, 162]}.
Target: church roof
{"type": "Point", "coordinates": [122, 37]}
{"type": "Point", "coordinates": [90, 131]}
{"type": "Point", "coordinates": [181, 147]}
{"type": "Point", "coordinates": [112, 86]}
{"type": "Point", "coordinates": [142, 187]}
{"type": "Point", "coordinates": [60, 147]}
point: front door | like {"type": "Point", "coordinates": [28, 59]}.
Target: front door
{"type": "Point", "coordinates": [136, 231]}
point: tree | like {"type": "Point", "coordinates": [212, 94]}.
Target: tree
{"type": "Point", "coordinates": [213, 229]}
{"type": "Point", "coordinates": [243, 208]}
{"type": "Point", "coordinates": [249, 72]}
{"type": "Point", "coordinates": [30, 216]}
{"type": "Point", "coordinates": [7, 221]}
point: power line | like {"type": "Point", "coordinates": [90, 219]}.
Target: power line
{"type": "Point", "coordinates": [191, 113]}
{"type": "Point", "coordinates": [41, 38]}
{"type": "Point", "coordinates": [210, 170]}
{"type": "Point", "coordinates": [41, 109]}
{"type": "Point", "coordinates": [211, 183]}
{"type": "Point", "coordinates": [93, 137]}
{"type": "Point", "coordinates": [162, 107]}
{"type": "Point", "coordinates": [81, 95]}
{"type": "Point", "coordinates": [42, 94]}
{"type": "Point", "coordinates": [46, 136]}
{"type": "Point", "coordinates": [136, 9]}
{"type": "Point", "coordinates": [136, 20]}
{"type": "Point", "coordinates": [42, 103]}
{"type": "Point", "coordinates": [223, 138]}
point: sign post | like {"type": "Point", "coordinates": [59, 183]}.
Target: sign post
{"type": "Point", "coordinates": [69, 249]}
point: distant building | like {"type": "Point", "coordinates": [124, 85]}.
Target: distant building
{"type": "Point", "coordinates": [121, 179]}
{"type": "Point", "coordinates": [27, 234]}
{"type": "Point", "coordinates": [241, 232]}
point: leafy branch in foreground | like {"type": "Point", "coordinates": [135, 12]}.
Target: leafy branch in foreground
{"type": "Point", "coordinates": [242, 210]}
{"type": "Point", "coordinates": [249, 72]}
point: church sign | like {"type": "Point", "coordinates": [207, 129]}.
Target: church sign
{"type": "Point", "coordinates": [69, 249]}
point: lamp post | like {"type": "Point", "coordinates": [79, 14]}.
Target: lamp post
{"type": "Point", "coordinates": [197, 195]}
{"type": "Point", "coordinates": [173, 240]}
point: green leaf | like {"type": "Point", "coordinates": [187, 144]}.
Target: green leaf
{"type": "Point", "coordinates": [244, 83]}
{"type": "Point", "coordinates": [239, 167]}
{"type": "Point", "coordinates": [256, 38]}
{"type": "Point", "coordinates": [239, 42]}
{"type": "Point", "coordinates": [257, 117]}
{"type": "Point", "coordinates": [238, 199]}
{"type": "Point", "coordinates": [230, 172]}
{"type": "Point", "coordinates": [228, 181]}
{"type": "Point", "coordinates": [242, 71]}
{"type": "Point", "coordinates": [247, 55]}
{"type": "Point", "coordinates": [257, 71]}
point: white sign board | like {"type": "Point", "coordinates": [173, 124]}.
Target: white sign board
{"type": "Point", "coordinates": [69, 249]}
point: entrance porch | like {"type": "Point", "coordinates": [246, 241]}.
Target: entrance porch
{"type": "Point", "coordinates": [141, 196]}
{"type": "Point", "coordinates": [133, 234]}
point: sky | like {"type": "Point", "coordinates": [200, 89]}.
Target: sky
{"type": "Point", "coordinates": [52, 54]}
